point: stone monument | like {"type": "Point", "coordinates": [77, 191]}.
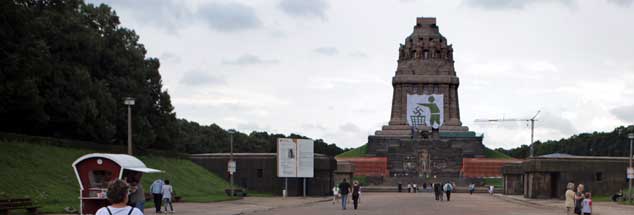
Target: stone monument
{"type": "Point", "coordinates": [424, 138]}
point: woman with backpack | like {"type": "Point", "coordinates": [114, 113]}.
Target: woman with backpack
{"type": "Point", "coordinates": [448, 188]}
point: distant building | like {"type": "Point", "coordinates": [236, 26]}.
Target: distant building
{"type": "Point", "coordinates": [257, 172]}
{"type": "Point", "coordinates": [546, 176]}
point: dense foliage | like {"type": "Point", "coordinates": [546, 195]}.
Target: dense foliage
{"type": "Point", "coordinates": [614, 143]}
{"type": "Point", "coordinates": [65, 67]}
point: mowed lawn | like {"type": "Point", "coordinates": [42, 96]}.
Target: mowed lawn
{"type": "Point", "coordinates": [44, 173]}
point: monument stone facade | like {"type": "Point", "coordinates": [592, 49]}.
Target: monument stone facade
{"type": "Point", "coordinates": [424, 138]}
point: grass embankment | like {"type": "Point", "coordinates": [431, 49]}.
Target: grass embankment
{"type": "Point", "coordinates": [360, 151]}
{"type": "Point", "coordinates": [490, 153]}
{"type": "Point", "coordinates": [44, 173]}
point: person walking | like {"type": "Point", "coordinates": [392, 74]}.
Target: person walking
{"type": "Point", "coordinates": [356, 193]}
{"type": "Point", "coordinates": [118, 195]}
{"type": "Point", "coordinates": [167, 193]}
{"type": "Point", "coordinates": [137, 195]}
{"type": "Point", "coordinates": [448, 188]}
{"type": "Point", "coordinates": [156, 189]}
{"type": "Point", "coordinates": [335, 194]}
{"type": "Point", "coordinates": [344, 189]}
{"type": "Point", "coordinates": [409, 188]}
{"type": "Point", "coordinates": [424, 186]}
{"type": "Point", "coordinates": [400, 187]}
{"type": "Point", "coordinates": [471, 188]}
{"type": "Point", "coordinates": [438, 189]}
{"type": "Point", "coordinates": [491, 189]}
{"type": "Point", "coordinates": [570, 198]}
{"type": "Point", "coordinates": [415, 187]}
{"type": "Point", "coordinates": [579, 196]}
{"type": "Point", "coordinates": [586, 204]}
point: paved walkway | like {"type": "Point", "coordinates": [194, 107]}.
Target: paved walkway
{"type": "Point", "coordinates": [243, 206]}
{"type": "Point", "coordinates": [424, 203]}
{"type": "Point", "coordinates": [556, 204]}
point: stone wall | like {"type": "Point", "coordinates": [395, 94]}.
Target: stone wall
{"type": "Point", "coordinates": [547, 177]}
{"type": "Point", "coordinates": [421, 159]}
{"type": "Point", "coordinates": [258, 172]}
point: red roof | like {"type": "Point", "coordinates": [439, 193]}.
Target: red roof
{"type": "Point", "coordinates": [484, 167]}
{"type": "Point", "coordinates": [368, 166]}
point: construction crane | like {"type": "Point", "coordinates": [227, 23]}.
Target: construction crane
{"type": "Point", "coordinates": [531, 120]}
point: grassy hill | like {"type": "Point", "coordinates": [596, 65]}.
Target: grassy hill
{"type": "Point", "coordinates": [490, 153]}
{"type": "Point", "coordinates": [44, 173]}
{"type": "Point", "coordinates": [361, 151]}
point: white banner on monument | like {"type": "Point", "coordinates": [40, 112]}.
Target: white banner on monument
{"type": "Point", "coordinates": [295, 158]}
{"type": "Point", "coordinates": [429, 107]}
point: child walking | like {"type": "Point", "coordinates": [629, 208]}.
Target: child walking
{"type": "Point", "coordinates": [335, 194]}
{"type": "Point", "coordinates": [167, 192]}
{"type": "Point", "coordinates": [586, 204]}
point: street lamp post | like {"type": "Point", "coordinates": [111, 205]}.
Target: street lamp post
{"type": "Point", "coordinates": [231, 131]}
{"type": "Point", "coordinates": [631, 137]}
{"type": "Point", "coordinates": [129, 101]}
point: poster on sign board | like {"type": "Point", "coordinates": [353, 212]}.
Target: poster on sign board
{"type": "Point", "coordinates": [295, 158]}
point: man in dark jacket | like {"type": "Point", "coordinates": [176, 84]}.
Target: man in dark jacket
{"type": "Point", "coordinates": [344, 189]}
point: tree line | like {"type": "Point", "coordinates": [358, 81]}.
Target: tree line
{"type": "Point", "coordinates": [613, 143]}
{"type": "Point", "coordinates": [65, 67]}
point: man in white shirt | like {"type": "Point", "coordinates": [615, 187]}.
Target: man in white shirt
{"type": "Point", "coordinates": [156, 189]}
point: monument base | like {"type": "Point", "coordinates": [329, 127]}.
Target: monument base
{"type": "Point", "coordinates": [437, 158]}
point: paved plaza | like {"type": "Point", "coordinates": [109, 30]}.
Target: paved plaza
{"type": "Point", "coordinates": [394, 203]}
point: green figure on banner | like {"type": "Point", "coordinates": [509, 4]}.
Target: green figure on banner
{"type": "Point", "coordinates": [435, 112]}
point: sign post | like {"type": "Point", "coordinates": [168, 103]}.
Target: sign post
{"type": "Point", "coordinates": [295, 159]}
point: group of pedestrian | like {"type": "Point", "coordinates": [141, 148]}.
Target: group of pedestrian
{"type": "Point", "coordinates": [578, 202]}
{"type": "Point", "coordinates": [344, 190]}
{"type": "Point", "coordinates": [127, 197]}
{"type": "Point", "coordinates": [440, 190]}
{"type": "Point", "coordinates": [412, 188]}
{"type": "Point", "coordinates": [163, 194]}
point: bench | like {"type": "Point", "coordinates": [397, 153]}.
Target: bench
{"type": "Point", "coordinates": [236, 192]}
{"type": "Point", "coordinates": [12, 204]}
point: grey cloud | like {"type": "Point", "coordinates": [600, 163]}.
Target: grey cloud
{"type": "Point", "coordinates": [555, 122]}
{"type": "Point", "coordinates": [623, 3]}
{"type": "Point", "coordinates": [350, 128]}
{"type": "Point", "coordinates": [330, 51]}
{"type": "Point", "coordinates": [304, 8]}
{"type": "Point", "coordinates": [624, 113]}
{"type": "Point", "coordinates": [509, 4]}
{"type": "Point", "coordinates": [248, 59]}
{"type": "Point", "coordinates": [229, 17]}
{"type": "Point", "coordinates": [168, 56]}
{"type": "Point", "coordinates": [197, 78]}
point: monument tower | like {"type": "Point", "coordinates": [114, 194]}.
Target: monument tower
{"type": "Point", "coordinates": [425, 67]}
{"type": "Point", "coordinates": [425, 100]}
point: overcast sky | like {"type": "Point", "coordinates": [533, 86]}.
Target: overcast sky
{"type": "Point", "coordinates": [323, 68]}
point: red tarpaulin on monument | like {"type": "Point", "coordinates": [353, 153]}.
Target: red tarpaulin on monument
{"type": "Point", "coordinates": [484, 167]}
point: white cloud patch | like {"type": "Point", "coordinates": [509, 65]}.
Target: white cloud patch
{"type": "Point", "coordinates": [327, 50]}
{"type": "Point", "coordinates": [304, 8]}
{"type": "Point", "coordinates": [229, 17]}
{"type": "Point", "coordinates": [249, 59]}
{"type": "Point", "coordinates": [510, 4]}
{"type": "Point", "coordinates": [350, 128]}
{"type": "Point", "coordinates": [198, 78]}
{"type": "Point", "coordinates": [622, 3]}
